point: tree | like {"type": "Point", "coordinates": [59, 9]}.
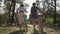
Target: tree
{"type": "Point", "coordinates": [0, 19]}
{"type": "Point", "coordinates": [51, 7]}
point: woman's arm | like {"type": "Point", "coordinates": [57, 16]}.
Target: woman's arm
{"type": "Point", "coordinates": [38, 9]}
{"type": "Point", "coordinates": [26, 11]}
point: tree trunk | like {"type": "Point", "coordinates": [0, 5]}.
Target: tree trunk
{"type": "Point", "coordinates": [55, 13]}
{"type": "Point", "coordinates": [11, 10]}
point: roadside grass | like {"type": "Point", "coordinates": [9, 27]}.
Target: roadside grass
{"type": "Point", "coordinates": [6, 30]}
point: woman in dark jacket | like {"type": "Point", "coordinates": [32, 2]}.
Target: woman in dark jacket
{"type": "Point", "coordinates": [34, 15]}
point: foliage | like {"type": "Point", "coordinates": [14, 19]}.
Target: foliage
{"type": "Point", "coordinates": [58, 18]}
{"type": "Point", "coordinates": [3, 18]}
{"type": "Point", "coordinates": [49, 20]}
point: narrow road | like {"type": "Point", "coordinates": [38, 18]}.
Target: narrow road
{"type": "Point", "coordinates": [15, 30]}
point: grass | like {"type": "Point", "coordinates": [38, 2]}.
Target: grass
{"type": "Point", "coordinates": [6, 30]}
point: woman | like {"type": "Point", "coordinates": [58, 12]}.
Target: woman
{"type": "Point", "coordinates": [20, 15]}
{"type": "Point", "coordinates": [34, 15]}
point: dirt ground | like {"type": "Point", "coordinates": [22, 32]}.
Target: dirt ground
{"type": "Point", "coordinates": [15, 30]}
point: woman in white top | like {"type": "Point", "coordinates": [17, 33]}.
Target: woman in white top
{"type": "Point", "coordinates": [20, 15]}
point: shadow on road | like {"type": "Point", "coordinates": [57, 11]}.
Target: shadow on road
{"type": "Point", "coordinates": [18, 32]}
{"type": "Point", "coordinates": [36, 32]}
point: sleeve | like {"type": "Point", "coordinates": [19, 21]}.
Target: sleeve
{"type": "Point", "coordinates": [24, 8]}
{"type": "Point", "coordinates": [31, 10]}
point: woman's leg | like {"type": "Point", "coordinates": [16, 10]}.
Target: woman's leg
{"type": "Point", "coordinates": [34, 23]}
{"type": "Point", "coordinates": [20, 26]}
{"type": "Point", "coordinates": [20, 19]}
{"type": "Point", "coordinates": [40, 23]}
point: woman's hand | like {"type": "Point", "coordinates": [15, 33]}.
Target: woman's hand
{"type": "Point", "coordinates": [26, 11]}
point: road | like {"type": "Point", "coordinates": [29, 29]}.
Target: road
{"type": "Point", "coordinates": [15, 30]}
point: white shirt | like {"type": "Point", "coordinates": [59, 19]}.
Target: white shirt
{"type": "Point", "coordinates": [39, 13]}
{"type": "Point", "coordinates": [21, 9]}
